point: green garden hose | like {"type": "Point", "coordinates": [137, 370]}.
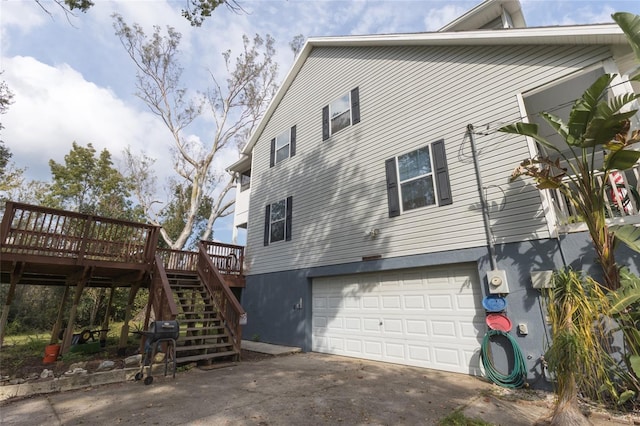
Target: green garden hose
{"type": "Point", "coordinates": [516, 378]}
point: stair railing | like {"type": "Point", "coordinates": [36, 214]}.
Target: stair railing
{"type": "Point", "coordinates": [232, 313]}
{"type": "Point", "coordinates": [160, 294]}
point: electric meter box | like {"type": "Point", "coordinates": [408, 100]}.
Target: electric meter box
{"type": "Point", "coordinates": [497, 280]}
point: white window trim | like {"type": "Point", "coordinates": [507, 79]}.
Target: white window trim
{"type": "Point", "coordinates": [288, 145]}
{"type": "Point", "coordinates": [350, 114]}
{"type": "Point", "coordinates": [283, 220]}
{"type": "Point", "coordinates": [400, 182]}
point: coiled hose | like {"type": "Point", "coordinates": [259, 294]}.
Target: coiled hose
{"type": "Point", "coordinates": [516, 378]}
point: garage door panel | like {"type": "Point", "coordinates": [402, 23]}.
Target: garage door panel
{"type": "Point", "coordinates": [352, 324]}
{"type": "Point", "coordinates": [467, 302]}
{"type": "Point", "coordinates": [414, 301]}
{"type": "Point", "coordinates": [446, 356]}
{"type": "Point", "coordinates": [471, 330]}
{"type": "Point", "coordinates": [441, 302]}
{"type": "Point", "coordinates": [396, 351]}
{"type": "Point", "coordinates": [373, 348]}
{"type": "Point", "coordinates": [319, 303]}
{"type": "Point", "coordinates": [371, 324]}
{"type": "Point", "coordinates": [370, 302]}
{"type": "Point", "coordinates": [391, 302]}
{"type": "Point", "coordinates": [352, 302]}
{"type": "Point", "coordinates": [335, 323]}
{"type": "Point", "coordinates": [444, 329]}
{"type": "Point", "coordinates": [336, 344]}
{"type": "Point", "coordinates": [353, 346]}
{"type": "Point", "coordinates": [419, 354]}
{"type": "Point", "coordinates": [429, 317]}
{"type": "Point", "coordinates": [393, 326]}
{"type": "Point", "coordinates": [417, 327]}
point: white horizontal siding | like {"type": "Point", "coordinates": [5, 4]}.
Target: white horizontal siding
{"type": "Point", "coordinates": [409, 97]}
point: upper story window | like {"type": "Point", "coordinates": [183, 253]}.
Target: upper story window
{"type": "Point", "coordinates": [245, 180]}
{"type": "Point", "coordinates": [417, 179]}
{"type": "Point", "coordinates": [277, 221]}
{"type": "Point", "coordinates": [341, 113]}
{"type": "Point", "coordinates": [283, 146]}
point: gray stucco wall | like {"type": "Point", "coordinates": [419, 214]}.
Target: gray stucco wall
{"type": "Point", "coordinates": [275, 315]}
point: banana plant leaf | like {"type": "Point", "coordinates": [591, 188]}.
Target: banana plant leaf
{"type": "Point", "coordinates": [628, 234]}
{"type": "Point", "coordinates": [630, 25]}
{"type": "Point", "coordinates": [621, 159]}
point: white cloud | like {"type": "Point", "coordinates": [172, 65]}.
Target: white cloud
{"type": "Point", "coordinates": [18, 16]}
{"type": "Point", "coordinates": [55, 106]}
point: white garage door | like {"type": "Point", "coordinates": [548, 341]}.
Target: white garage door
{"type": "Point", "coordinates": [427, 317]}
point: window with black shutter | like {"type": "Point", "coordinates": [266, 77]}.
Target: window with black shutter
{"type": "Point", "coordinates": [277, 221]}
{"type": "Point", "coordinates": [341, 113]}
{"type": "Point", "coordinates": [283, 146]}
{"type": "Point", "coordinates": [417, 179]}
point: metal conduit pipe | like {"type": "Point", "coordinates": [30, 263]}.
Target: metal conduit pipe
{"type": "Point", "coordinates": [483, 201]}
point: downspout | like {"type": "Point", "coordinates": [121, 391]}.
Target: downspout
{"type": "Point", "coordinates": [483, 201]}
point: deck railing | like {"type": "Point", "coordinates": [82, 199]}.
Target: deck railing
{"type": "Point", "coordinates": [29, 230]}
{"type": "Point", "coordinates": [178, 260]}
{"type": "Point", "coordinates": [228, 258]}
{"type": "Point", "coordinates": [622, 199]}
{"type": "Point", "coordinates": [228, 306]}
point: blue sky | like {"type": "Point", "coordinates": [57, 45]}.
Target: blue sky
{"type": "Point", "coordinates": [73, 81]}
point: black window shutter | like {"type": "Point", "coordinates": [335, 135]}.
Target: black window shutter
{"type": "Point", "coordinates": [325, 123]}
{"type": "Point", "coordinates": [392, 188]}
{"type": "Point", "coordinates": [272, 160]}
{"type": "Point", "coordinates": [441, 173]}
{"type": "Point", "coordinates": [292, 142]}
{"type": "Point", "coordinates": [267, 224]}
{"type": "Point", "coordinates": [355, 106]}
{"type": "Point", "coordinates": [287, 225]}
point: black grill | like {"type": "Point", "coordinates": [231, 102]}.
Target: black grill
{"type": "Point", "coordinates": [163, 330]}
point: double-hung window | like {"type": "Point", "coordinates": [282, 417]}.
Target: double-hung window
{"type": "Point", "coordinates": [277, 221]}
{"type": "Point", "coordinates": [341, 113]}
{"type": "Point", "coordinates": [283, 146]}
{"type": "Point", "coordinates": [417, 179]}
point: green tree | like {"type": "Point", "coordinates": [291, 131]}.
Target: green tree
{"type": "Point", "coordinates": [89, 183]}
{"type": "Point", "coordinates": [235, 106]}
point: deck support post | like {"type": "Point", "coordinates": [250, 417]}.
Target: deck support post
{"type": "Point", "coordinates": [68, 334]}
{"type": "Point", "coordinates": [58, 324]}
{"type": "Point", "coordinates": [15, 277]}
{"type": "Point", "coordinates": [107, 314]}
{"type": "Point", "coordinates": [147, 316]}
{"type": "Point", "coordinates": [124, 333]}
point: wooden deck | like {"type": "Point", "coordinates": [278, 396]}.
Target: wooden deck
{"type": "Point", "coordinates": [45, 246]}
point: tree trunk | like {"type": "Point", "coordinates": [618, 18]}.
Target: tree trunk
{"type": "Point", "coordinates": [567, 411]}
{"type": "Point", "coordinates": [603, 245]}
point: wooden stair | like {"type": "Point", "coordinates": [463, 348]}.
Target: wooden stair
{"type": "Point", "coordinates": [204, 338]}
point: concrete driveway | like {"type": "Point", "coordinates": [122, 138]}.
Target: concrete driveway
{"type": "Point", "coordinates": [300, 389]}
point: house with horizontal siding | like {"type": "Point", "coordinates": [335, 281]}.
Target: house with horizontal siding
{"type": "Point", "coordinates": [362, 190]}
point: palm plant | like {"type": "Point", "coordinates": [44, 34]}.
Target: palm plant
{"type": "Point", "coordinates": [577, 355]}
{"type": "Point", "coordinates": [595, 124]}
